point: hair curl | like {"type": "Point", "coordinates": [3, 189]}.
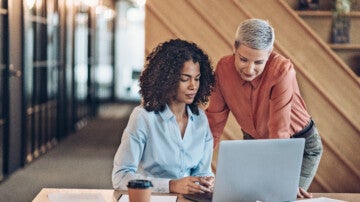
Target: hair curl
{"type": "Point", "coordinates": [160, 77]}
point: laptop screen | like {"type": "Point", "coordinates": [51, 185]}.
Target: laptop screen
{"type": "Point", "coordinates": [258, 170]}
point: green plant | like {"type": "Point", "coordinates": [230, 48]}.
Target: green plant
{"type": "Point", "coordinates": [341, 21]}
{"type": "Point", "coordinates": [342, 7]}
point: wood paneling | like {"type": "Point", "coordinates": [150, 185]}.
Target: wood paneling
{"type": "Point", "coordinates": [330, 89]}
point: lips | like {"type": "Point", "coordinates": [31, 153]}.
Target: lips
{"type": "Point", "coordinates": [247, 75]}
{"type": "Point", "coordinates": [192, 96]}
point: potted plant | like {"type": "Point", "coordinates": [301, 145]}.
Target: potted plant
{"type": "Point", "coordinates": [341, 21]}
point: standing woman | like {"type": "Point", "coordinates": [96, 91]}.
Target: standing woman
{"type": "Point", "coordinates": [168, 139]}
{"type": "Point", "coordinates": [259, 87]}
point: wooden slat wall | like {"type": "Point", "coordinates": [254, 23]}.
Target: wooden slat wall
{"type": "Point", "coordinates": [330, 88]}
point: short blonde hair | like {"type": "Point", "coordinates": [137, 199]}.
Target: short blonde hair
{"type": "Point", "coordinates": [255, 33]}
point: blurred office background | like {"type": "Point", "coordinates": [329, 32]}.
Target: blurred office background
{"type": "Point", "coordinates": [67, 66]}
{"type": "Point", "coordinates": [62, 64]}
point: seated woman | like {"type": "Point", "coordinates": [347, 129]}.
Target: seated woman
{"type": "Point", "coordinates": [168, 139]}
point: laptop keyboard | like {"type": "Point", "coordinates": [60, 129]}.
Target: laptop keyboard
{"type": "Point", "coordinates": [207, 196]}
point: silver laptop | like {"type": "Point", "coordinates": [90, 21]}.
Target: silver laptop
{"type": "Point", "coordinates": [258, 170]}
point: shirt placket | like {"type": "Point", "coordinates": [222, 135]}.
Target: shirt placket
{"type": "Point", "coordinates": [249, 94]}
{"type": "Point", "coordinates": [180, 144]}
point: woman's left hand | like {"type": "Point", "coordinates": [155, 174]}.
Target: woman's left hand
{"type": "Point", "coordinates": [302, 193]}
{"type": "Point", "coordinates": [208, 181]}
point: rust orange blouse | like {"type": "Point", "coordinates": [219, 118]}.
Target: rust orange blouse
{"type": "Point", "coordinates": [270, 106]}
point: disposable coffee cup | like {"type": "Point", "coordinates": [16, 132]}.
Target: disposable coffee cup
{"type": "Point", "coordinates": [139, 190]}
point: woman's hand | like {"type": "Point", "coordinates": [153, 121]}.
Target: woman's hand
{"type": "Point", "coordinates": [302, 193]}
{"type": "Point", "coordinates": [189, 185]}
{"type": "Point", "coordinates": [208, 182]}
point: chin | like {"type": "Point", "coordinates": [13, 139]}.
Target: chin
{"type": "Point", "coordinates": [247, 79]}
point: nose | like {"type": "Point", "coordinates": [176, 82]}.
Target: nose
{"type": "Point", "coordinates": [192, 84]}
{"type": "Point", "coordinates": [250, 68]}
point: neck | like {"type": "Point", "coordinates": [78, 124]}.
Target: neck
{"type": "Point", "coordinates": [179, 110]}
{"type": "Point", "coordinates": [181, 116]}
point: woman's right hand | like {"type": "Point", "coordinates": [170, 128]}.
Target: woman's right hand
{"type": "Point", "coordinates": [188, 185]}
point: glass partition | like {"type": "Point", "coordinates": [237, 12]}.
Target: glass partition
{"type": "Point", "coordinates": [29, 35]}
{"type": "Point", "coordinates": [41, 64]}
{"type": "Point", "coordinates": [129, 49]}
{"type": "Point", "coordinates": [104, 67]}
{"type": "Point", "coordinates": [53, 66]}
{"type": "Point", "coordinates": [3, 80]}
{"type": "Point", "coordinates": [81, 70]}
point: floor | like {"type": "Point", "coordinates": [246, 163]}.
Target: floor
{"type": "Point", "coordinates": [82, 160]}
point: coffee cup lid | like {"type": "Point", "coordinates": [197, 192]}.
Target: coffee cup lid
{"type": "Point", "coordinates": [139, 184]}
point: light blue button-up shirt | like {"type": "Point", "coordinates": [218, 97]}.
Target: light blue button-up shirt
{"type": "Point", "coordinates": [152, 148]}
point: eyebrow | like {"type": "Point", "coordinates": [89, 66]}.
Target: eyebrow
{"type": "Point", "coordinates": [242, 57]}
{"type": "Point", "coordinates": [188, 75]}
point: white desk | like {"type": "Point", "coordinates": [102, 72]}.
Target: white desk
{"type": "Point", "coordinates": [107, 194]}
{"type": "Point", "coordinates": [112, 196]}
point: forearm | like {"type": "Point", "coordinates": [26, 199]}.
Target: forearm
{"type": "Point", "coordinates": [312, 154]}
{"type": "Point", "coordinates": [217, 122]}
{"type": "Point", "coordinates": [120, 180]}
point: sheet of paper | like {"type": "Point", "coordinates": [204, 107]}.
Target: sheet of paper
{"type": "Point", "coordinates": [125, 198]}
{"type": "Point", "coordinates": [322, 199]}
{"type": "Point", "coordinates": [75, 197]}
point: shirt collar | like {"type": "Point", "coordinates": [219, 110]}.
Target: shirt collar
{"type": "Point", "coordinates": [168, 114]}
{"type": "Point", "coordinates": [254, 83]}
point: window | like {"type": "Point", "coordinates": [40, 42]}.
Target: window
{"type": "Point", "coordinates": [129, 49]}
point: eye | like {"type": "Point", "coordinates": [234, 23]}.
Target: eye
{"type": "Point", "coordinates": [259, 62]}
{"type": "Point", "coordinates": [243, 60]}
{"type": "Point", "coordinates": [184, 78]}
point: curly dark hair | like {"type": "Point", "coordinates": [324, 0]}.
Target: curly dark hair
{"type": "Point", "coordinates": [160, 77]}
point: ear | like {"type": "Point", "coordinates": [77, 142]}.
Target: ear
{"type": "Point", "coordinates": [236, 46]}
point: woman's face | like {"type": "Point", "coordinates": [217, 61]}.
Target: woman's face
{"type": "Point", "coordinates": [189, 83]}
{"type": "Point", "coordinates": [250, 63]}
